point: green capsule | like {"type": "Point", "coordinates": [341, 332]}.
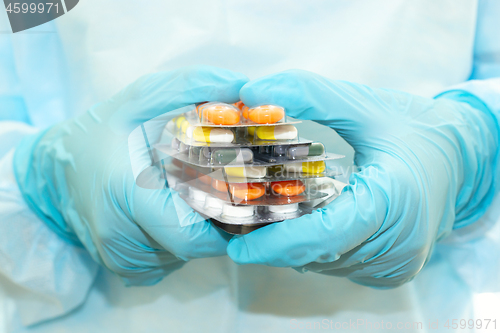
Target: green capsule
{"type": "Point", "coordinates": [314, 149]}
{"type": "Point", "coordinates": [227, 156]}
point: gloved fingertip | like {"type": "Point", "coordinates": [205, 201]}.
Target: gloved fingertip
{"type": "Point", "coordinates": [301, 270]}
{"type": "Point", "coordinates": [238, 251]}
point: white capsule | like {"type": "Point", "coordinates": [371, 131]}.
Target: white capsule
{"type": "Point", "coordinates": [283, 209]}
{"type": "Point", "coordinates": [197, 195]}
{"type": "Point", "coordinates": [285, 132]}
{"type": "Point", "coordinates": [210, 134]}
{"type": "Point", "coordinates": [237, 211]}
{"type": "Point", "coordinates": [171, 126]}
{"type": "Point", "coordinates": [213, 204]}
{"type": "Point", "coordinates": [172, 181]}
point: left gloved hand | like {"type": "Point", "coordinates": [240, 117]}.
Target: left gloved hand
{"type": "Point", "coordinates": [78, 178]}
{"type": "Point", "coordinates": [428, 165]}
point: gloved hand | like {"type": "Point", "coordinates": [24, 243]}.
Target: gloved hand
{"type": "Point", "coordinates": [77, 177]}
{"type": "Point", "coordinates": [428, 165]}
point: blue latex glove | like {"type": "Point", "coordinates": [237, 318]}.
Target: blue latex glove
{"type": "Point", "coordinates": [77, 177]}
{"type": "Point", "coordinates": [428, 165]}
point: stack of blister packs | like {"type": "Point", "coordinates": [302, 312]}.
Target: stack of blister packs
{"type": "Point", "coordinates": [245, 167]}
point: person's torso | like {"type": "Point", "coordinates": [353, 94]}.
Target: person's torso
{"type": "Point", "coordinates": [420, 47]}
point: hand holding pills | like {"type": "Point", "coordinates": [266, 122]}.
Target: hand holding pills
{"type": "Point", "coordinates": [140, 234]}
{"type": "Point", "coordinates": [422, 175]}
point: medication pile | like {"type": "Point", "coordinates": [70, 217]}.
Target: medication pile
{"type": "Point", "coordinates": [245, 168]}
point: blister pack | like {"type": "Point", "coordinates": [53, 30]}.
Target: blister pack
{"type": "Point", "coordinates": [220, 124]}
{"type": "Point", "coordinates": [243, 156]}
{"type": "Point", "coordinates": [241, 167]}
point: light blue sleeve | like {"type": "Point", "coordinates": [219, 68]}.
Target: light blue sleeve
{"type": "Point", "coordinates": [484, 82]}
{"type": "Point", "coordinates": [487, 44]}
{"type": "Point", "coordinates": [12, 103]}
{"type": "Point", "coordinates": [41, 275]}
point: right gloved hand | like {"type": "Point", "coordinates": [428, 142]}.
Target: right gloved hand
{"type": "Point", "coordinates": [428, 165]}
{"type": "Point", "coordinates": [77, 177]}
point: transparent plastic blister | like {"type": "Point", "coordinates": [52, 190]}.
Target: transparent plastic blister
{"type": "Point", "coordinates": [242, 156]}
{"type": "Point", "coordinates": [238, 217]}
{"type": "Point", "coordinates": [254, 173]}
{"type": "Point", "coordinates": [222, 114]}
{"type": "Point", "coordinates": [216, 123]}
{"type": "Point", "coordinates": [236, 136]}
{"type": "Point", "coordinates": [248, 193]}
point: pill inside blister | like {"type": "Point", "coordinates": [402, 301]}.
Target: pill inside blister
{"type": "Point", "coordinates": [266, 114]}
{"type": "Point", "coordinates": [247, 191]}
{"type": "Point", "coordinates": [251, 130]}
{"type": "Point", "coordinates": [250, 171]}
{"type": "Point", "coordinates": [243, 108]}
{"type": "Point", "coordinates": [205, 179]}
{"type": "Point", "coordinates": [288, 187]}
{"type": "Point", "coordinates": [175, 144]}
{"type": "Point", "coordinates": [199, 106]}
{"type": "Point", "coordinates": [314, 149]}
{"type": "Point", "coordinates": [283, 209]}
{"type": "Point", "coordinates": [220, 113]}
{"type": "Point", "coordinates": [213, 204]}
{"type": "Point", "coordinates": [235, 155]}
{"type": "Point", "coordinates": [189, 173]}
{"type": "Point", "coordinates": [179, 121]}
{"type": "Point", "coordinates": [196, 194]}
{"type": "Point", "coordinates": [219, 185]}
{"type": "Point", "coordinates": [181, 124]}
{"type": "Point", "coordinates": [237, 211]}
{"type": "Point", "coordinates": [284, 132]}
{"type": "Point", "coordinates": [210, 134]}
{"type": "Point", "coordinates": [306, 167]}
{"type": "Point", "coordinates": [183, 148]}
{"type": "Point", "coordinates": [177, 163]}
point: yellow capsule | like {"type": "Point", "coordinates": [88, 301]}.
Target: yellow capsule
{"type": "Point", "coordinates": [250, 172]}
{"type": "Point", "coordinates": [313, 167]}
{"type": "Point", "coordinates": [210, 134]}
{"type": "Point", "coordinates": [179, 121]}
{"type": "Point", "coordinates": [307, 167]}
{"type": "Point", "coordinates": [251, 130]}
{"type": "Point", "coordinates": [184, 126]}
{"type": "Point", "coordinates": [285, 132]}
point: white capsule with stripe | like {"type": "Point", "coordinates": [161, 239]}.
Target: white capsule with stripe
{"type": "Point", "coordinates": [285, 132]}
{"type": "Point", "coordinates": [210, 134]}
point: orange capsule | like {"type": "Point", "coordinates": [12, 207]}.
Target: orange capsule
{"type": "Point", "coordinates": [199, 107]}
{"type": "Point", "coordinates": [190, 172]}
{"type": "Point", "coordinates": [243, 108]}
{"type": "Point", "coordinates": [247, 191]}
{"type": "Point", "coordinates": [266, 114]}
{"type": "Point", "coordinates": [205, 178]}
{"type": "Point", "coordinates": [239, 104]}
{"type": "Point", "coordinates": [177, 163]}
{"type": "Point", "coordinates": [288, 187]}
{"type": "Point", "coordinates": [244, 112]}
{"type": "Point", "coordinates": [221, 114]}
{"type": "Point", "coordinates": [219, 185]}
